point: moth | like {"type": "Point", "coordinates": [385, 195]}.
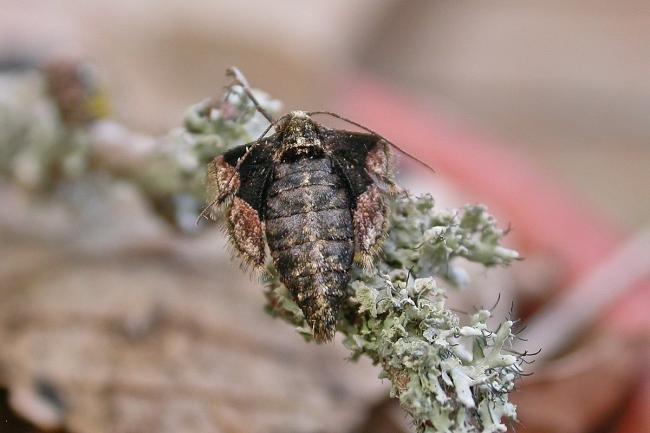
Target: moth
{"type": "Point", "coordinates": [316, 196]}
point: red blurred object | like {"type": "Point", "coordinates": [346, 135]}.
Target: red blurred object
{"type": "Point", "coordinates": [637, 417]}
{"type": "Point", "coordinates": [548, 218]}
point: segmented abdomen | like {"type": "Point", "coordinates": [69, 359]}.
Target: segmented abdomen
{"type": "Point", "coordinates": [309, 232]}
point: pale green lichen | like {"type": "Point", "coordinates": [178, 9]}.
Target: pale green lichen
{"type": "Point", "coordinates": [36, 149]}
{"type": "Point", "coordinates": [41, 152]}
{"type": "Point", "coordinates": [174, 176]}
{"type": "Point", "coordinates": [450, 375]}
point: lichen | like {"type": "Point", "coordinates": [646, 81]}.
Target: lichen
{"type": "Point", "coordinates": [41, 151]}
{"type": "Point", "coordinates": [448, 375]}
{"type": "Point", "coordinates": [173, 178]}
{"type": "Point", "coordinates": [451, 374]}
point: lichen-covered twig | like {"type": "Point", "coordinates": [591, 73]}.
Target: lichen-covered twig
{"type": "Point", "coordinates": [450, 375]}
{"type": "Point", "coordinates": [48, 139]}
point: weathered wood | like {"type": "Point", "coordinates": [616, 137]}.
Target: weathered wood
{"type": "Point", "coordinates": [158, 335]}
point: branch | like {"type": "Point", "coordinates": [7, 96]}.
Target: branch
{"type": "Point", "coordinates": [448, 375]}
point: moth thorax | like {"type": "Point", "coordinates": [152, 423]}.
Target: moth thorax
{"type": "Point", "coordinates": [298, 125]}
{"type": "Point", "coordinates": [301, 148]}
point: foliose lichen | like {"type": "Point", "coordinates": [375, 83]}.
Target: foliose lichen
{"type": "Point", "coordinates": [41, 149]}
{"type": "Point", "coordinates": [451, 374]}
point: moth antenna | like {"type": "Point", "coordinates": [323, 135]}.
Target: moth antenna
{"type": "Point", "coordinates": [240, 79]}
{"type": "Point", "coordinates": [256, 143]}
{"type": "Point", "coordinates": [338, 116]}
{"type": "Point", "coordinates": [491, 309]}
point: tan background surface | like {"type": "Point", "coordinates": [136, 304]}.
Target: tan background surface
{"type": "Point", "coordinates": [566, 82]}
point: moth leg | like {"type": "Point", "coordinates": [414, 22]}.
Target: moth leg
{"type": "Point", "coordinates": [246, 232]}
{"type": "Point", "coordinates": [371, 215]}
{"type": "Point", "coordinates": [222, 182]}
{"type": "Point", "coordinates": [240, 182]}
{"type": "Point", "coordinates": [379, 165]}
{"type": "Point", "coordinates": [370, 221]}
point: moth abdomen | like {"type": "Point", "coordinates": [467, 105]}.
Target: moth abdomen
{"type": "Point", "coordinates": [310, 234]}
{"type": "Point", "coordinates": [315, 197]}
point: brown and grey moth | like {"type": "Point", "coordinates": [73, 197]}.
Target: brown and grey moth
{"type": "Point", "coordinates": [316, 197]}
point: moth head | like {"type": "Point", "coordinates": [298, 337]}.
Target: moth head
{"type": "Point", "coordinates": [299, 136]}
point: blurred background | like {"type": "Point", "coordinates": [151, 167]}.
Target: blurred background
{"type": "Point", "coordinates": [541, 110]}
